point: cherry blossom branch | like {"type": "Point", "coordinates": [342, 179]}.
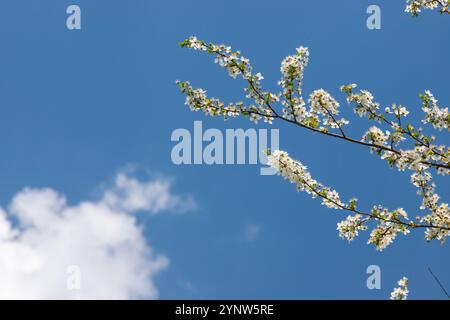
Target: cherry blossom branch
{"type": "Point", "coordinates": [231, 111]}
{"type": "Point", "coordinates": [320, 116]}
{"type": "Point", "coordinates": [391, 222]}
{"type": "Point", "coordinates": [408, 130]}
{"type": "Point", "coordinates": [415, 6]}
{"type": "Point", "coordinates": [198, 104]}
{"type": "Point", "coordinates": [292, 83]}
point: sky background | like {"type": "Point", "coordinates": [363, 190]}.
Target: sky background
{"type": "Point", "coordinates": [77, 106]}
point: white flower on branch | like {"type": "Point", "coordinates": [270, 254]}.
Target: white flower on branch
{"type": "Point", "coordinates": [415, 6]}
{"type": "Point", "coordinates": [401, 292]}
{"type": "Point", "coordinates": [350, 227]}
{"type": "Point", "coordinates": [364, 102]}
{"type": "Point", "coordinates": [376, 136]}
{"type": "Point", "coordinates": [438, 117]}
{"type": "Point", "coordinates": [298, 174]}
{"type": "Point", "coordinates": [322, 103]}
{"type": "Point", "coordinates": [292, 68]}
{"type": "Point", "coordinates": [439, 215]}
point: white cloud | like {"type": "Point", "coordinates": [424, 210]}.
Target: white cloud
{"type": "Point", "coordinates": [42, 238]}
{"type": "Point", "coordinates": [129, 194]}
{"type": "Point", "coordinates": [252, 232]}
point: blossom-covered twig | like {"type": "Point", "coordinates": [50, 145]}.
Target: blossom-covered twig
{"type": "Point", "coordinates": [416, 6]}
{"type": "Point", "coordinates": [389, 223]}
{"type": "Point", "coordinates": [320, 114]}
{"type": "Point", "coordinates": [402, 291]}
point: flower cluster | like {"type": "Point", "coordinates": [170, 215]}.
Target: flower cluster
{"type": "Point", "coordinates": [424, 153]}
{"type": "Point", "coordinates": [415, 6]}
{"type": "Point", "coordinates": [197, 100]}
{"type": "Point", "coordinates": [298, 174]}
{"type": "Point", "coordinates": [438, 117]}
{"type": "Point", "coordinates": [237, 65]}
{"type": "Point", "coordinates": [225, 57]}
{"type": "Point", "coordinates": [401, 292]}
{"type": "Point", "coordinates": [322, 103]}
{"type": "Point", "coordinates": [350, 227]}
{"type": "Point", "coordinates": [398, 111]}
{"type": "Point", "coordinates": [439, 216]}
{"type": "Point", "coordinates": [322, 106]}
{"type": "Point", "coordinates": [418, 157]}
{"type": "Point", "coordinates": [376, 136]}
{"type": "Point", "coordinates": [365, 106]}
{"type": "Point", "coordinates": [292, 68]}
{"type": "Point", "coordinates": [391, 224]}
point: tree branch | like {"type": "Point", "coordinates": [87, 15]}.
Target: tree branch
{"type": "Point", "coordinates": [439, 283]}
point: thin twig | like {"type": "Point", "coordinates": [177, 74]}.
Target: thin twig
{"type": "Point", "coordinates": [439, 283]}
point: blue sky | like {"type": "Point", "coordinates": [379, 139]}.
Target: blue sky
{"type": "Point", "coordinates": [77, 106]}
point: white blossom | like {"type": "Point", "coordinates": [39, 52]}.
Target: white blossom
{"type": "Point", "coordinates": [438, 117]}
{"type": "Point", "coordinates": [364, 100]}
{"type": "Point", "coordinates": [350, 227]}
{"type": "Point", "coordinates": [391, 223]}
{"type": "Point", "coordinates": [376, 136]}
{"type": "Point", "coordinates": [402, 291]}
{"type": "Point", "coordinates": [292, 68]}
{"type": "Point", "coordinates": [298, 174]}
{"type": "Point", "coordinates": [415, 6]}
